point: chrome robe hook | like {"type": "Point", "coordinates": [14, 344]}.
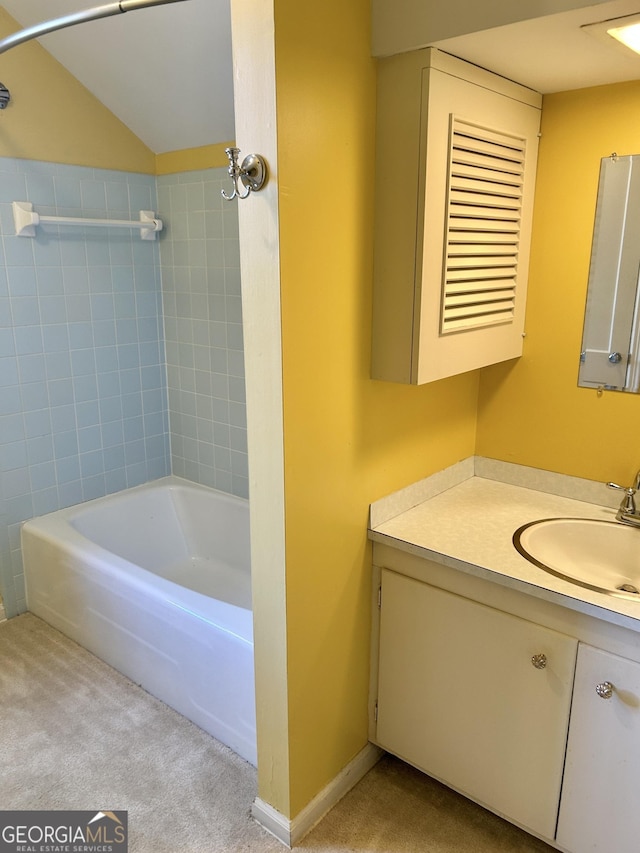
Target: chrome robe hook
{"type": "Point", "coordinates": [251, 173]}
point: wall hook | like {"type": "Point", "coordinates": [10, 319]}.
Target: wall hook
{"type": "Point", "coordinates": [252, 173]}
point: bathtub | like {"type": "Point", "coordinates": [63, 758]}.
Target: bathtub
{"type": "Point", "coordinates": [155, 580]}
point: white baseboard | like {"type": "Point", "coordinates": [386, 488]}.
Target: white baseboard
{"type": "Point", "coordinates": [290, 832]}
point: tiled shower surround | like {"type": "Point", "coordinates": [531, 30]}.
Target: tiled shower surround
{"type": "Point", "coordinates": [200, 259]}
{"type": "Point", "coordinates": [85, 407]}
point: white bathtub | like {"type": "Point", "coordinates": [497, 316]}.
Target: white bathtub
{"type": "Point", "coordinates": [155, 580]}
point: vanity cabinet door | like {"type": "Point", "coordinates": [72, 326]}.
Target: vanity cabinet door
{"type": "Point", "coordinates": [599, 810]}
{"type": "Point", "coordinates": [459, 697]}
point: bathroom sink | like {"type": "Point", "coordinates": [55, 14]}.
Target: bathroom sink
{"type": "Point", "coordinates": [599, 555]}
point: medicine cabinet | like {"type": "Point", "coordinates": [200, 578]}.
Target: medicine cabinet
{"type": "Point", "coordinates": [456, 152]}
{"type": "Point", "coordinates": [609, 352]}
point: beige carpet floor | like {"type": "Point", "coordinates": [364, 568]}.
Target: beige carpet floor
{"type": "Point", "coordinates": [75, 734]}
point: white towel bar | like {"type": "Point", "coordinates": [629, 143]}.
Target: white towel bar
{"type": "Point", "coordinates": [26, 219]}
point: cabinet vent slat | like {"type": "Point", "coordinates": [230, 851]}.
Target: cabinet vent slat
{"type": "Point", "coordinates": [494, 285]}
{"type": "Point", "coordinates": [476, 302]}
{"type": "Point", "coordinates": [478, 262]}
{"type": "Point", "coordinates": [472, 198]}
{"type": "Point", "coordinates": [484, 207]}
{"type": "Point", "coordinates": [482, 250]}
{"type": "Point", "coordinates": [481, 238]}
{"type": "Point", "coordinates": [485, 161]}
{"type": "Point", "coordinates": [487, 136]}
{"type": "Point", "coordinates": [477, 321]}
{"type": "Point", "coordinates": [478, 309]}
{"type": "Point", "coordinates": [488, 186]}
{"type": "Point", "coordinates": [479, 144]}
{"type": "Point", "coordinates": [479, 274]}
{"type": "Point", "coordinates": [480, 211]}
{"type": "Point", "coordinates": [465, 172]}
{"type": "Point", "coordinates": [468, 224]}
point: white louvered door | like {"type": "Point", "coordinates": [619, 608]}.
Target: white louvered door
{"type": "Point", "coordinates": [483, 220]}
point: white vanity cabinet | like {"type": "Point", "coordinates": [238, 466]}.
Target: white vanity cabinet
{"type": "Point", "coordinates": [509, 700]}
{"type": "Point", "coordinates": [459, 620]}
{"type": "Point", "coordinates": [475, 697]}
{"type": "Point", "coordinates": [599, 808]}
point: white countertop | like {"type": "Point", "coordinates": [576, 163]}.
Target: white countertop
{"type": "Point", "coordinates": [470, 526]}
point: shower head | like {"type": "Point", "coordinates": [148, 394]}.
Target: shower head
{"type": "Point", "coordinates": [81, 17]}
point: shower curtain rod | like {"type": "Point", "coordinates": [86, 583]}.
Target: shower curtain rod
{"type": "Point", "coordinates": [93, 14]}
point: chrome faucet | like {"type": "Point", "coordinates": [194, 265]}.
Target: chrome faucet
{"type": "Point", "coordinates": [627, 511]}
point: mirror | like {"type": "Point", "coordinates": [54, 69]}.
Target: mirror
{"type": "Point", "coordinates": [609, 352]}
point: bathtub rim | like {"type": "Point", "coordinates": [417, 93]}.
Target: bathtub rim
{"type": "Point", "coordinates": [56, 528]}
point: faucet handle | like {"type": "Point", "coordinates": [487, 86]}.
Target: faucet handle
{"type": "Point", "coordinates": [628, 504]}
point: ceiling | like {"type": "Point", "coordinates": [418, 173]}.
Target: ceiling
{"type": "Point", "coordinates": [166, 71]}
{"type": "Point", "coordinates": [553, 53]}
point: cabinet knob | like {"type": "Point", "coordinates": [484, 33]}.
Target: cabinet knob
{"type": "Point", "coordinates": [605, 690]}
{"type": "Point", "coordinates": [539, 661]}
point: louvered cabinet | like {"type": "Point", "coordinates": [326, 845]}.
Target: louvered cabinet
{"type": "Point", "coordinates": [456, 151]}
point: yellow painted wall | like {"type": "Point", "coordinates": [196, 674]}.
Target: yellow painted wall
{"type": "Point", "coordinates": [347, 440]}
{"type": "Point", "coordinates": [53, 117]}
{"type": "Point", "coordinates": [531, 411]}
{"type": "Point", "coordinates": [190, 159]}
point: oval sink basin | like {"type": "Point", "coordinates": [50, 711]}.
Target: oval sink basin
{"type": "Point", "coordinates": [599, 555]}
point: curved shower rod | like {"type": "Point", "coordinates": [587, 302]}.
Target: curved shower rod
{"type": "Point", "coordinates": [82, 17]}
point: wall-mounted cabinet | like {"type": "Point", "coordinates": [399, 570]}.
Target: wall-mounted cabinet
{"type": "Point", "coordinates": [456, 152]}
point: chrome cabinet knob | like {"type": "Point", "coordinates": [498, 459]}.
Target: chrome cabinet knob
{"type": "Point", "coordinates": [539, 661]}
{"type": "Point", "coordinates": [605, 690]}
